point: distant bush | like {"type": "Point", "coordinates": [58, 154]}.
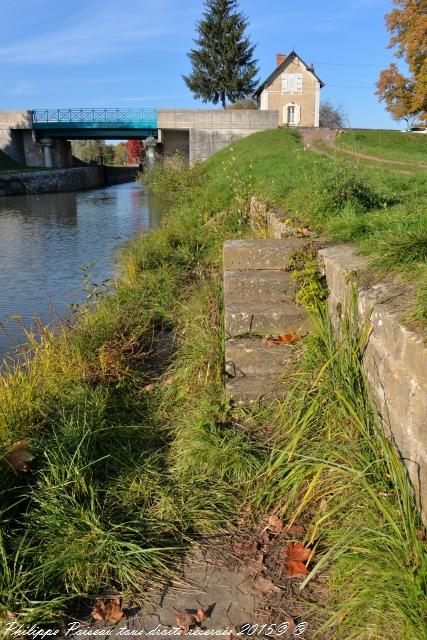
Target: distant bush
{"type": "Point", "coordinates": [343, 186]}
{"type": "Point", "coordinates": [173, 179]}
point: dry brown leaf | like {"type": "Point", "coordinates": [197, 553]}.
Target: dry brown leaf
{"type": "Point", "coordinates": [108, 609]}
{"type": "Point", "coordinates": [297, 554]}
{"type": "Point", "coordinates": [295, 529]}
{"type": "Point", "coordinates": [297, 551]}
{"type": "Point", "coordinates": [201, 615]}
{"type": "Point", "coordinates": [275, 523]}
{"type": "Point", "coordinates": [18, 456]}
{"type": "Point", "coordinates": [323, 505]}
{"type": "Point", "coordinates": [304, 231]}
{"type": "Point", "coordinates": [286, 338]}
{"type": "Point", "coordinates": [233, 634]}
{"type": "Point", "coordinates": [295, 569]}
{"type": "Point", "coordinates": [265, 586]}
{"type": "Point", "coordinates": [421, 534]}
{"type": "Point", "coordinates": [185, 620]}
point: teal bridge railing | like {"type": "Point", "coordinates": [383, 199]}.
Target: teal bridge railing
{"type": "Point", "coordinates": [95, 118]}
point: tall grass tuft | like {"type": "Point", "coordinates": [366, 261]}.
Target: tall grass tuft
{"type": "Point", "coordinates": [333, 468]}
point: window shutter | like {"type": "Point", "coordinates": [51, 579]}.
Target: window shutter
{"type": "Point", "coordinates": [285, 114]}
{"type": "Point", "coordinates": [298, 78]}
{"type": "Point", "coordinates": [285, 83]}
{"type": "Point", "coordinates": [264, 101]}
{"type": "Point", "coordinates": [297, 114]}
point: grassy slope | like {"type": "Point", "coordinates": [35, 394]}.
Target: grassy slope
{"type": "Point", "coordinates": [382, 212]}
{"type": "Point", "coordinates": [123, 472]}
{"type": "Point", "coordinates": [392, 145]}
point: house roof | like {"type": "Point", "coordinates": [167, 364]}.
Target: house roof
{"type": "Point", "coordinates": [282, 66]}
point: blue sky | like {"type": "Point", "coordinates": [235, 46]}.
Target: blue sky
{"type": "Point", "coordinates": [131, 53]}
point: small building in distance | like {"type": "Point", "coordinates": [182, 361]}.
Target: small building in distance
{"type": "Point", "coordinates": [292, 89]}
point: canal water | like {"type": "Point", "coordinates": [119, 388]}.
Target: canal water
{"type": "Point", "coordinates": [47, 243]}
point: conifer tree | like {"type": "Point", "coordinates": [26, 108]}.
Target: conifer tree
{"type": "Point", "coordinates": [223, 64]}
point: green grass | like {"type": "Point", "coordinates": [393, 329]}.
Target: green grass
{"type": "Point", "coordinates": [7, 165]}
{"type": "Point", "coordinates": [391, 145]}
{"type": "Point", "coordinates": [332, 469]}
{"type": "Point", "coordinates": [381, 212]}
{"type": "Point", "coordinates": [126, 475]}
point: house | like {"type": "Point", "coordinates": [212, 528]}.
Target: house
{"type": "Point", "coordinates": [292, 89]}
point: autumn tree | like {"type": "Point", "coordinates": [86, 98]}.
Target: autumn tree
{"type": "Point", "coordinates": [405, 96]}
{"type": "Point", "coordinates": [223, 64]}
{"type": "Point", "coordinates": [135, 149]}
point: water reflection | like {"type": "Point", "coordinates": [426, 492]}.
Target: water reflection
{"type": "Point", "coordinates": [45, 240]}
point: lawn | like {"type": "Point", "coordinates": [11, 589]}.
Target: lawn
{"type": "Point", "coordinates": [391, 145]}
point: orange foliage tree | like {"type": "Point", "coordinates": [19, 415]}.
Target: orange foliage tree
{"type": "Point", "coordinates": [135, 151]}
{"type": "Point", "coordinates": [405, 96]}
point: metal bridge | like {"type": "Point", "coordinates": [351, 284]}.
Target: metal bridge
{"type": "Point", "coordinates": [80, 124]}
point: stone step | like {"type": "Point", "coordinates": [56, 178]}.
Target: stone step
{"type": "Point", "coordinates": [249, 356]}
{"type": "Point", "coordinates": [263, 319]}
{"type": "Point", "coordinates": [240, 255]}
{"type": "Point", "coordinates": [241, 391]}
{"type": "Point", "coordinates": [257, 286]}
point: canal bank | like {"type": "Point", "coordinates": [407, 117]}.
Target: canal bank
{"type": "Point", "coordinates": [129, 470]}
{"type": "Point", "coordinates": [63, 180]}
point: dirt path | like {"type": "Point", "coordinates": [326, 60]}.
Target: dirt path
{"type": "Point", "coordinates": [328, 137]}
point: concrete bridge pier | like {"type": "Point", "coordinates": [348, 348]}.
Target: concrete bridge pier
{"type": "Point", "coordinates": [46, 144]}
{"type": "Point", "coordinates": [150, 148]}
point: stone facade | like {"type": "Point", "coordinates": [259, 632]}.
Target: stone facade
{"type": "Point", "coordinates": [293, 90]}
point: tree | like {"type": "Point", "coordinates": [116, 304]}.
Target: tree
{"type": "Point", "coordinates": [406, 96]}
{"type": "Point", "coordinates": [223, 66]}
{"type": "Point", "coordinates": [120, 153]}
{"type": "Point", "coordinates": [136, 151]}
{"type": "Point", "coordinates": [246, 103]}
{"type": "Point", "coordinates": [92, 150]}
{"type": "Point", "coordinates": [330, 116]}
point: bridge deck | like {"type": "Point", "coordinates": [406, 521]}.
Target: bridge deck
{"type": "Point", "coordinates": [95, 123]}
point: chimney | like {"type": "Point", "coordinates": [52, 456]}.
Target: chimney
{"type": "Point", "coordinates": [280, 57]}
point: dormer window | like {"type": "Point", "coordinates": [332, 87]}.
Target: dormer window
{"type": "Point", "coordinates": [292, 83]}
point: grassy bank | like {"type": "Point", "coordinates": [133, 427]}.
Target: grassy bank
{"type": "Point", "coordinates": [391, 145]}
{"type": "Point", "coordinates": [127, 470]}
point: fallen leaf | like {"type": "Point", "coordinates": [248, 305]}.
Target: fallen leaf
{"type": "Point", "coordinates": [18, 456]}
{"type": "Point", "coordinates": [304, 231]}
{"type": "Point", "coordinates": [185, 621]}
{"type": "Point", "coordinates": [421, 534]}
{"type": "Point", "coordinates": [287, 338]}
{"type": "Point", "coordinates": [256, 566]}
{"type": "Point", "coordinates": [265, 586]}
{"type": "Point", "coordinates": [108, 609]}
{"type": "Point", "coordinates": [297, 554]}
{"type": "Point", "coordinates": [275, 523]}
{"type": "Point", "coordinates": [297, 551]}
{"type": "Point", "coordinates": [323, 505]}
{"type": "Point", "coordinates": [201, 615]}
{"type": "Point", "coordinates": [233, 634]}
{"type": "Point", "coordinates": [295, 529]}
{"type": "Point", "coordinates": [295, 569]}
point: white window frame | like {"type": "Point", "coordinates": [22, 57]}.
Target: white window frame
{"type": "Point", "coordinates": [292, 83]}
{"type": "Point", "coordinates": [296, 113]}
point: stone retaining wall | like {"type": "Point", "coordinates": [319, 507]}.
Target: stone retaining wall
{"type": "Point", "coordinates": [61, 180]}
{"type": "Point", "coordinates": [395, 358]}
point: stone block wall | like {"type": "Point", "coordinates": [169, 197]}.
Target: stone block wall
{"type": "Point", "coordinates": [395, 357]}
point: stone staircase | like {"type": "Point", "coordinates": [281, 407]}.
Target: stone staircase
{"type": "Point", "coordinates": [258, 302]}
